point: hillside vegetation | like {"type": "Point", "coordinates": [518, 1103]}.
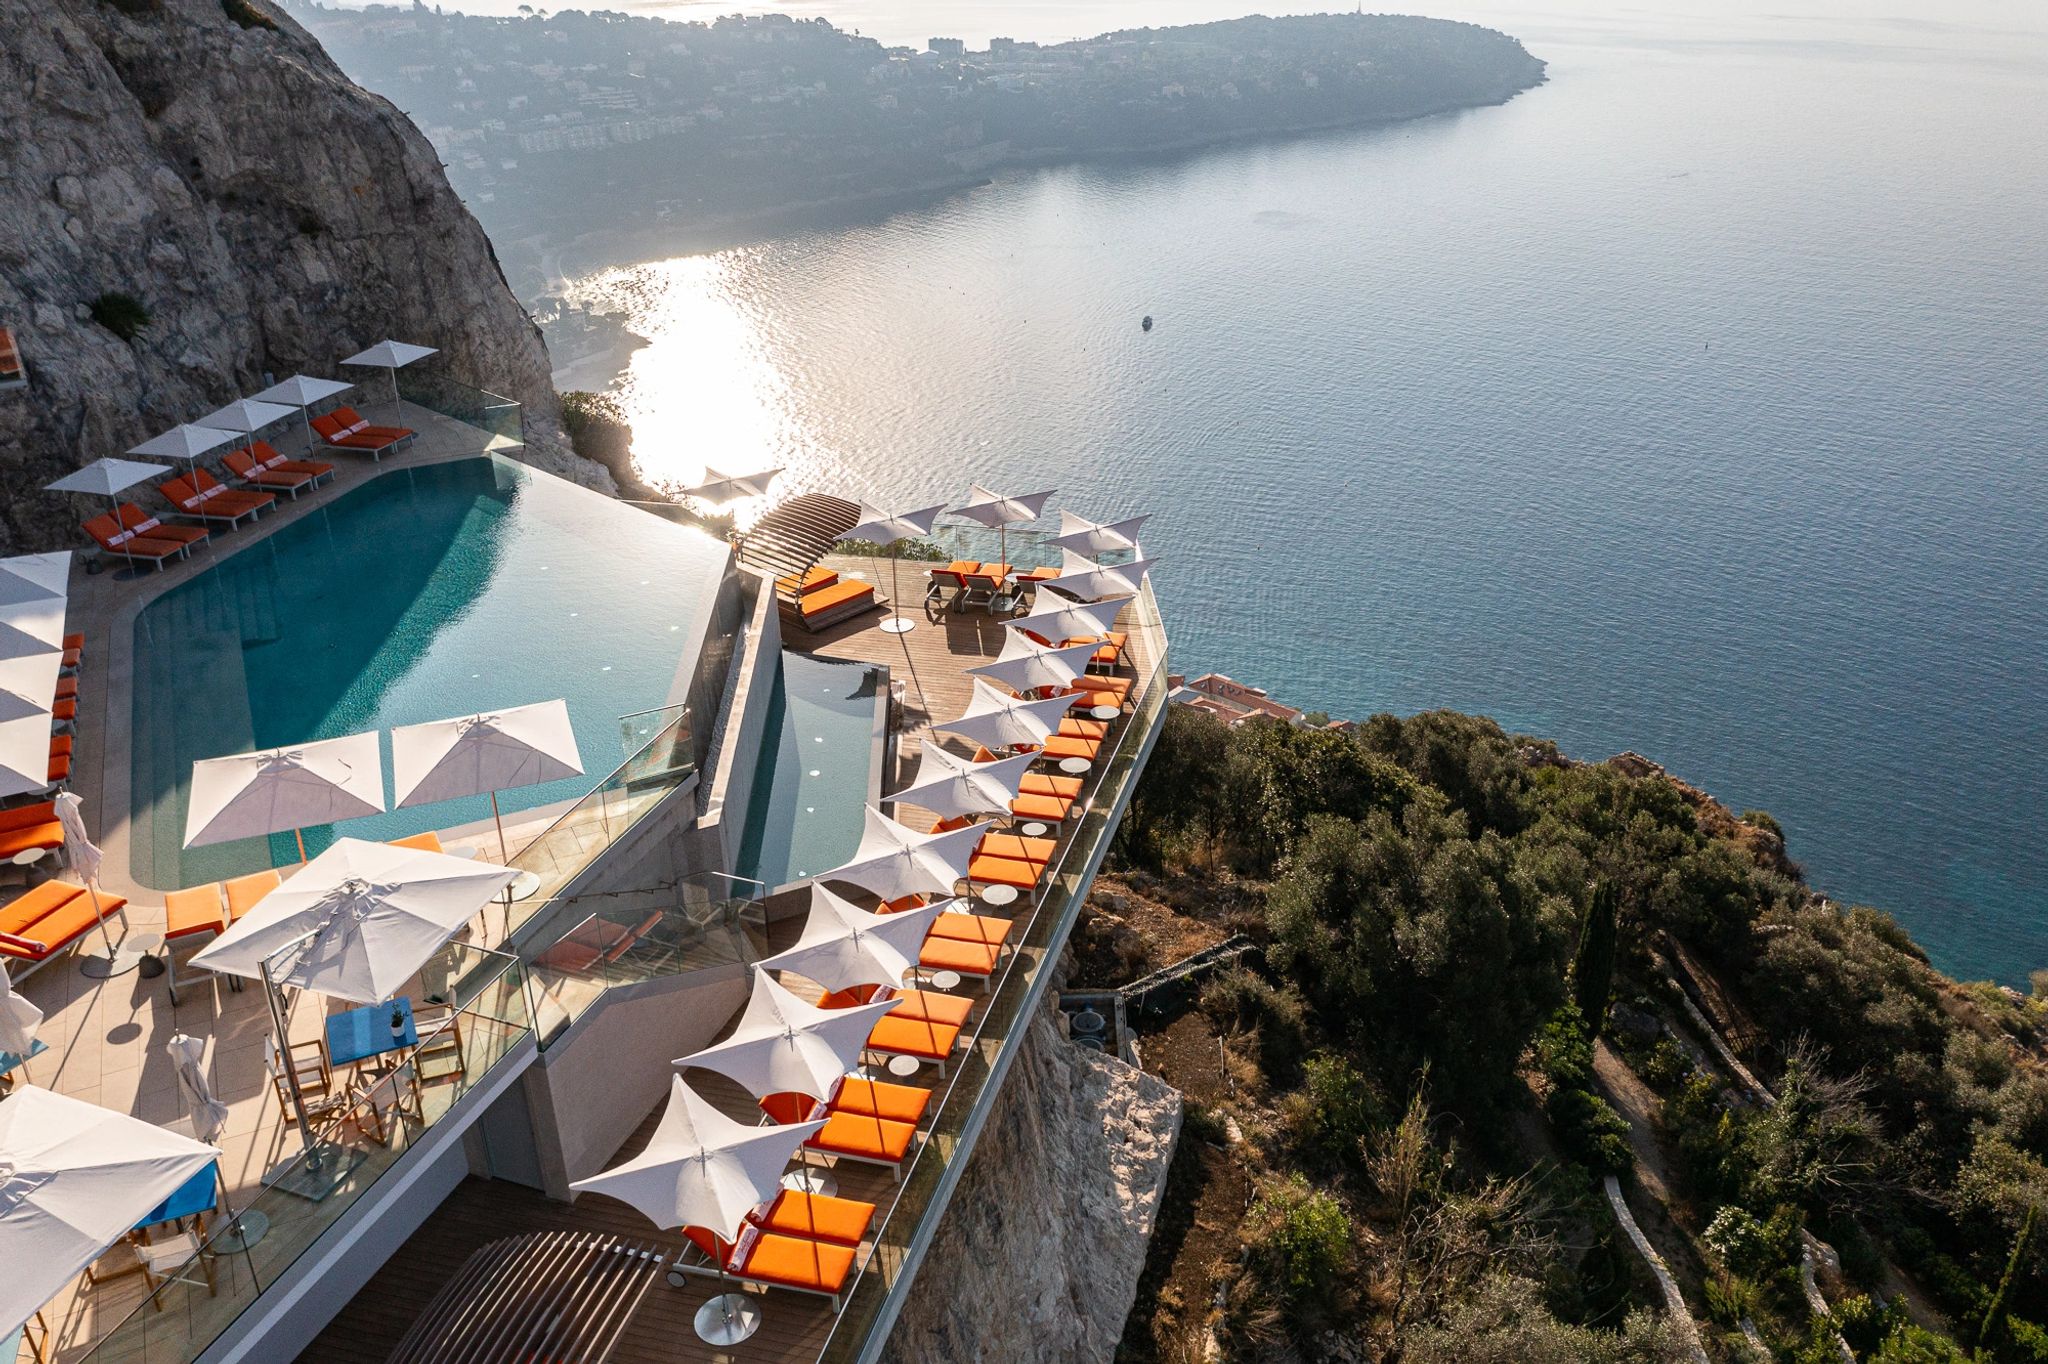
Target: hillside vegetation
{"type": "Point", "coordinates": [1486, 978]}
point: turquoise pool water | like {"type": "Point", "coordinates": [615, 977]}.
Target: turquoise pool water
{"type": "Point", "coordinates": [425, 593]}
{"type": "Point", "coordinates": [816, 770]}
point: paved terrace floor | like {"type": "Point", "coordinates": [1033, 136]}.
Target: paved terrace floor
{"type": "Point", "coordinates": [106, 1038]}
{"type": "Point", "coordinates": [930, 659]}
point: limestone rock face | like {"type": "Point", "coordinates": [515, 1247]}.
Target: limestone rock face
{"type": "Point", "coordinates": [1037, 1260]}
{"type": "Point", "coordinates": [267, 213]}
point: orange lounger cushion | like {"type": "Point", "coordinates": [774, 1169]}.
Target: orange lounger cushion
{"type": "Point", "coordinates": [864, 1136]}
{"type": "Point", "coordinates": [914, 1037]}
{"type": "Point", "coordinates": [426, 842]}
{"type": "Point", "coordinates": [814, 579]}
{"type": "Point", "coordinates": [879, 1099]}
{"type": "Point", "coordinates": [831, 598]}
{"type": "Point", "coordinates": [931, 1007]}
{"type": "Point", "coordinates": [1048, 808]}
{"type": "Point", "coordinates": [196, 909]}
{"type": "Point", "coordinates": [31, 826]}
{"type": "Point", "coordinates": [1060, 746]}
{"type": "Point", "coordinates": [244, 892]}
{"type": "Point", "coordinates": [840, 1221]}
{"type": "Point", "coordinates": [1048, 784]}
{"type": "Point", "coordinates": [57, 928]}
{"type": "Point", "coordinates": [1004, 871]}
{"type": "Point", "coordinates": [791, 1261]}
{"type": "Point", "coordinates": [979, 928]}
{"type": "Point", "coordinates": [134, 518]}
{"type": "Point", "coordinates": [954, 954]}
{"type": "Point", "coordinates": [23, 911]}
{"type": "Point", "coordinates": [1017, 848]}
{"type": "Point", "coordinates": [1074, 727]}
{"type": "Point", "coordinates": [127, 543]}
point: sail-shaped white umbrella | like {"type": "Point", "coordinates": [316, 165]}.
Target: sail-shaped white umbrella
{"type": "Point", "coordinates": [1083, 536]}
{"type": "Point", "coordinates": [83, 857]}
{"type": "Point", "coordinates": [997, 720]}
{"type": "Point", "coordinates": [24, 640]}
{"type": "Point", "coordinates": [74, 1179]}
{"type": "Point", "coordinates": [1061, 620]}
{"type": "Point", "coordinates": [391, 355]}
{"type": "Point", "coordinates": [999, 512]}
{"type": "Point", "coordinates": [35, 577]}
{"type": "Point", "coordinates": [19, 1020]}
{"type": "Point", "coordinates": [703, 1169]}
{"type": "Point", "coordinates": [244, 795]}
{"type": "Point", "coordinates": [718, 487]}
{"type": "Point", "coordinates": [878, 527]}
{"type": "Point", "coordinates": [474, 755]}
{"type": "Point", "coordinates": [246, 416]}
{"type": "Point", "coordinates": [1083, 579]}
{"type": "Point", "coordinates": [894, 860]}
{"type": "Point", "coordinates": [302, 391]}
{"type": "Point", "coordinates": [843, 946]}
{"type": "Point", "coordinates": [25, 754]}
{"type": "Point", "coordinates": [28, 686]}
{"type": "Point", "coordinates": [1025, 665]}
{"type": "Point", "coordinates": [782, 1045]}
{"type": "Point", "coordinates": [107, 478]}
{"type": "Point", "coordinates": [951, 786]}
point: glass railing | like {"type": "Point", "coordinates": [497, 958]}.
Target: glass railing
{"type": "Point", "coordinates": [1017, 987]}
{"type": "Point", "coordinates": [492, 413]}
{"type": "Point", "coordinates": [488, 1013]}
{"type": "Point", "coordinates": [1022, 547]}
{"type": "Point", "coordinates": [583, 832]}
{"type": "Point", "coordinates": [709, 920]}
{"type": "Point", "coordinates": [637, 730]}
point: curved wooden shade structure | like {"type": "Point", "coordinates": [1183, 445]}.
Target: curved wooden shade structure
{"type": "Point", "coordinates": [552, 1295]}
{"type": "Point", "coordinates": [794, 535]}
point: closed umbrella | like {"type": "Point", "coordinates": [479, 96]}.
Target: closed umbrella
{"type": "Point", "coordinates": [107, 478]}
{"type": "Point", "coordinates": [1000, 512]}
{"type": "Point", "coordinates": [843, 946]}
{"type": "Point", "coordinates": [302, 391]}
{"type": "Point", "coordinates": [895, 861]}
{"type": "Point", "coordinates": [246, 795]}
{"type": "Point", "coordinates": [205, 1110]}
{"type": "Point", "coordinates": [74, 1178]}
{"type": "Point", "coordinates": [19, 1020]}
{"type": "Point", "coordinates": [997, 720]}
{"type": "Point", "coordinates": [782, 1045]}
{"type": "Point", "coordinates": [83, 856]}
{"type": "Point", "coordinates": [1082, 579]}
{"type": "Point", "coordinates": [475, 755]}
{"type": "Point", "coordinates": [718, 487]}
{"type": "Point", "coordinates": [878, 527]}
{"type": "Point", "coordinates": [951, 786]}
{"type": "Point", "coordinates": [1025, 665]}
{"type": "Point", "coordinates": [703, 1169]}
{"type": "Point", "coordinates": [1083, 536]}
{"type": "Point", "coordinates": [391, 355]}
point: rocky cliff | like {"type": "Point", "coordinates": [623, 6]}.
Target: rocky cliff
{"type": "Point", "coordinates": [206, 159]}
{"type": "Point", "coordinates": [1038, 1258]}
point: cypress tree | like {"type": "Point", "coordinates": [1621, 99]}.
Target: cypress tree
{"type": "Point", "coordinates": [1593, 964]}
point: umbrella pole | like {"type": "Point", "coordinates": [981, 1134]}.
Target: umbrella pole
{"type": "Point", "coordinates": [300, 835]}
{"type": "Point", "coordinates": [504, 853]}
{"type": "Point", "coordinates": [119, 961]}
{"type": "Point", "coordinates": [244, 1229]}
{"type": "Point", "coordinates": [284, 1061]}
{"type": "Point", "coordinates": [898, 623]}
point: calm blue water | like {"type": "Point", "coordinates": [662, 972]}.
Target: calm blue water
{"type": "Point", "coordinates": [815, 774]}
{"type": "Point", "coordinates": [423, 594]}
{"type": "Point", "coordinates": [1691, 403]}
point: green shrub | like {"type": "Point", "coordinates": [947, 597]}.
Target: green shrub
{"type": "Point", "coordinates": [1762, 819]}
{"type": "Point", "coordinates": [121, 314]}
{"type": "Point", "coordinates": [1333, 1110]}
{"type": "Point", "coordinates": [1308, 1243]}
{"type": "Point", "coordinates": [1730, 1300]}
{"type": "Point", "coordinates": [1243, 1001]}
{"type": "Point", "coordinates": [1667, 1066]}
{"type": "Point", "coordinates": [1913, 1345]}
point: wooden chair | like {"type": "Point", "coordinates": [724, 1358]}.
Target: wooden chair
{"type": "Point", "coordinates": [309, 1073]}
{"type": "Point", "coordinates": [174, 1259]}
{"type": "Point", "coordinates": [439, 1055]}
{"type": "Point", "coordinates": [380, 1103]}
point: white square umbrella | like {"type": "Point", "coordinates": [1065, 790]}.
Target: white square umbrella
{"type": "Point", "coordinates": [999, 511]}
{"type": "Point", "coordinates": [474, 755]}
{"type": "Point", "coordinates": [894, 861]}
{"type": "Point", "coordinates": [996, 720]}
{"type": "Point", "coordinates": [28, 686]}
{"type": "Point", "coordinates": [785, 1046]}
{"type": "Point", "coordinates": [357, 921]}
{"type": "Point", "coordinates": [1081, 578]}
{"type": "Point", "coordinates": [951, 786]}
{"type": "Point", "coordinates": [843, 946]}
{"type": "Point", "coordinates": [391, 355]}
{"type": "Point", "coordinates": [878, 527]}
{"type": "Point", "coordinates": [108, 477]}
{"type": "Point", "coordinates": [74, 1177]}
{"type": "Point", "coordinates": [187, 442]}
{"type": "Point", "coordinates": [302, 391]}
{"type": "Point", "coordinates": [266, 792]}
{"type": "Point", "coordinates": [1025, 665]}
{"type": "Point", "coordinates": [701, 1168]}
{"type": "Point", "coordinates": [24, 754]}
{"type": "Point", "coordinates": [1083, 536]}
{"type": "Point", "coordinates": [1058, 619]}
{"type": "Point", "coordinates": [35, 577]}
{"type": "Point", "coordinates": [34, 627]}
{"type": "Point", "coordinates": [246, 416]}
{"type": "Point", "coordinates": [718, 487]}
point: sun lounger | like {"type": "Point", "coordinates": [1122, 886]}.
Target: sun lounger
{"type": "Point", "coordinates": [1017, 849]}
{"type": "Point", "coordinates": [974, 960]}
{"type": "Point", "coordinates": [813, 579]}
{"type": "Point", "coordinates": [353, 434]}
{"type": "Point", "coordinates": [244, 893]}
{"type": "Point", "coordinates": [774, 1260]}
{"type": "Point", "coordinates": [843, 600]}
{"type": "Point", "coordinates": [202, 495]}
{"type": "Point", "coordinates": [249, 471]}
{"type": "Point", "coordinates": [142, 523]}
{"type": "Point", "coordinates": [1044, 809]}
{"type": "Point", "coordinates": [350, 417]}
{"type": "Point", "coordinates": [30, 826]}
{"type": "Point", "coordinates": [426, 842]}
{"type": "Point", "coordinates": [38, 926]}
{"type": "Point", "coordinates": [864, 1138]}
{"type": "Point", "coordinates": [836, 1221]}
{"type": "Point", "coordinates": [1060, 747]}
{"type": "Point", "coordinates": [949, 579]}
{"type": "Point", "coordinates": [928, 1039]}
{"type": "Point", "coordinates": [267, 457]}
{"type": "Point", "coordinates": [196, 912]}
{"type": "Point", "coordinates": [122, 544]}
{"type": "Point", "coordinates": [1005, 871]}
{"type": "Point", "coordinates": [985, 587]}
{"type": "Point", "coordinates": [880, 1099]}
{"type": "Point", "coordinates": [59, 770]}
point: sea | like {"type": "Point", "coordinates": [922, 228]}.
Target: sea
{"type": "Point", "coordinates": [1691, 403]}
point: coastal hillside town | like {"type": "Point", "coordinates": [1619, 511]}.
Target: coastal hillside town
{"type": "Point", "coordinates": [1235, 702]}
{"type": "Point", "coordinates": [559, 124]}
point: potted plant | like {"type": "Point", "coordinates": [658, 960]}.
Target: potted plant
{"type": "Point", "coordinates": [397, 1021]}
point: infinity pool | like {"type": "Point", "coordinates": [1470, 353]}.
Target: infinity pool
{"type": "Point", "coordinates": [426, 593]}
{"type": "Point", "coordinates": [819, 767]}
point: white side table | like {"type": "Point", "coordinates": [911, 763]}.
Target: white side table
{"type": "Point", "coordinates": [999, 896]}
{"type": "Point", "coordinates": [945, 980]}
{"type": "Point", "coordinates": [902, 1067]}
{"type": "Point", "coordinates": [1074, 767]}
{"type": "Point", "coordinates": [1104, 712]}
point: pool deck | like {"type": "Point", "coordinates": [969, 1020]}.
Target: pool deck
{"type": "Point", "coordinates": [106, 1038]}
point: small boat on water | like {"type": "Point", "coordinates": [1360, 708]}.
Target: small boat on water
{"type": "Point", "coordinates": [1147, 323]}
